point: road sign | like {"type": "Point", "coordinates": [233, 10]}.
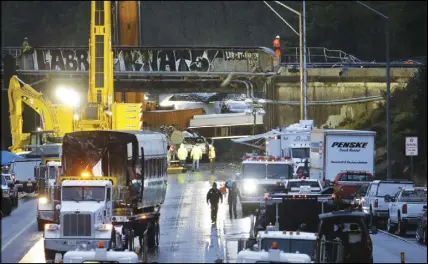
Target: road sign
{"type": "Point", "coordinates": [411, 146]}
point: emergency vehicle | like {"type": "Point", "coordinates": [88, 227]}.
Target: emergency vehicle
{"type": "Point", "coordinates": [260, 174]}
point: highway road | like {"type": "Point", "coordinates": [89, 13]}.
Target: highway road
{"type": "Point", "coordinates": [186, 232]}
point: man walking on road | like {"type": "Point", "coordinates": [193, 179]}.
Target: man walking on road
{"type": "Point", "coordinates": [182, 155]}
{"type": "Point", "coordinates": [211, 156]}
{"type": "Point", "coordinates": [213, 198]}
{"type": "Point", "coordinates": [196, 155]}
{"type": "Point", "coordinates": [232, 199]}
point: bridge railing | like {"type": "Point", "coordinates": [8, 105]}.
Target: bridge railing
{"type": "Point", "coordinates": [317, 55]}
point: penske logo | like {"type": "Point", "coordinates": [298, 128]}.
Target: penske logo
{"type": "Point", "coordinates": [349, 144]}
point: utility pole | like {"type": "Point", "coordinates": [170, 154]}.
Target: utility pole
{"type": "Point", "coordinates": [305, 71]}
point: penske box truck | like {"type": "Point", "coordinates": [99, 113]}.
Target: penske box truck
{"type": "Point", "coordinates": [335, 151]}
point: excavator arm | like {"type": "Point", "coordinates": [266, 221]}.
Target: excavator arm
{"type": "Point", "coordinates": [49, 114]}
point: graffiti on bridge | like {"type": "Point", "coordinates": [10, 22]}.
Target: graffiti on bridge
{"type": "Point", "coordinates": [153, 60]}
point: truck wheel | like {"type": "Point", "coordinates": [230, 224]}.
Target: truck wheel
{"type": "Point", "coordinates": [16, 201]}
{"type": "Point", "coordinates": [151, 235]}
{"type": "Point", "coordinates": [401, 228]}
{"type": "Point", "coordinates": [40, 225]}
{"type": "Point", "coordinates": [49, 254]}
{"type": "Point", "coordinates": [157, 233]}
{"type": "Point", "coordinates": [6, 206]}
{"type": "Point", "coordinates": [390, 227]}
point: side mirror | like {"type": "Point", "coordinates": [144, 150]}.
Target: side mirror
{"type": "Point", "coordinates": [10, 185]}
{"type": "Point", "coordinates": [387, 198]}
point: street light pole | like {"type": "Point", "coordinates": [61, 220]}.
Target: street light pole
{"type": "Point", "coordinates": [388, 92]}
{"type": "Point", "coordinates": [305, 73]}
{"type": "Point", "coordinates": [301, 67]}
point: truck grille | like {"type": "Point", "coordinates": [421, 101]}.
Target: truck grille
{"type": "Point", "coordinates": [76, 224]}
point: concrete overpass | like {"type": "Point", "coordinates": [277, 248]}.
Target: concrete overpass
{"type": "Point", "coordinates": [339, 84]}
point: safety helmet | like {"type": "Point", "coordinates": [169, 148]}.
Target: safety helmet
{"type": "Point", "coordinates": [277, 37]}
{"type": "Point", "coordinates": [25, 38]}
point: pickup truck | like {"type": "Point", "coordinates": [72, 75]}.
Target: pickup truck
{"type": "Point", "coordinates": [374, 203]}
{"type": "Point", "coordinates": [347, 183]}
{"type": "Point", "coordinates": [404, 209]}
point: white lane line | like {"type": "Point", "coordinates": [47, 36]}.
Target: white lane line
{"type": "Point", "coordinates": [402, 239]}
{"type": "Point", "coordinates": [17, 235]}
{"type": "Point", "coordinates": [35, 254]}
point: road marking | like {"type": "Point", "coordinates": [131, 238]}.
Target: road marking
{"type": "Point", "coordinates": [35, 254]}
{"type": "Point", "coordinates": [17, 235]}
{"type": "Point", "coordinates": [403, 239]}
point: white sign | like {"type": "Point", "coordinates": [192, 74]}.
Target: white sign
{"type": "Point", "coordinates": [411, 146]}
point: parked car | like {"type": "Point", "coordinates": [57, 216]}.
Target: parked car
{"type": "Point", "coordinates": [6, 201]}
{"type": "Point", "coordinates": [404, 209]}
{"type": "Point", "coordinates": [421, 231]}
{"type": "Point", "coordinates": [374, 203]}
{"type": "Point", "coordinates": [13, 190]}
{"type": "Point", "coordinates": [347, 183]}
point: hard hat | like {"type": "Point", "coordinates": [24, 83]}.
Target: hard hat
{"type": "Point", "coordinates": [25, 38]}
{"type": "Point", "coordinates": [277, 36]}
{"type": "Point", "coordinates": [274, 245]}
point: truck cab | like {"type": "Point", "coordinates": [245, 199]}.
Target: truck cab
{"type": "Point", "coordinates": [347, 182]}
{"type": "Point", "coordinates": [85, 215]}
{"type": "Point", "coordinates": [49, 192]}
{"type": "Point", "coordinates": [260, 174]}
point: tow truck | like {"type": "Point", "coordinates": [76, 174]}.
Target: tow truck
{"type": "Point", "coordinates": [49, 192]}
{"type": "Point", "coordinates": [288, 211]}
{"type": "Point", "coordinates": [260, 174]}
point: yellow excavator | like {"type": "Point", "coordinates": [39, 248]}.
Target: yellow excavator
{"type": "Point", "coordinates": [98, 113]}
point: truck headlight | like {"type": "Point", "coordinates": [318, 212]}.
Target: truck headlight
{"type": "Point", "coordinates": [51, 227]}
{"type": "Point", "coordinates": [250, 186]}
{"type": "Point", "coordinates": [104, 227]}
{"type": "Point", "coordinates": [43, 200]}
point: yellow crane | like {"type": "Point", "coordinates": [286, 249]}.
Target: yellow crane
{"type": "Point", "coordinates": [99, 113]}
{"type": "Point", "coordinates": [56, 120]}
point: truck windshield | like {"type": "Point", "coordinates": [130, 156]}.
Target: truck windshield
{"type": "Point", "coordinates": [300, 153]}
{"type": "Point", "coordinates": [279, 171]}
{"type": "Point", "coordinates": [77, 193]}
{"type": "Point", "coordinates": [391, 189]}
{"type": "Point", "coordinates": [52, 172]}
{"type": "Point", "coordinates": [291, 245]}
{"type": "Point", "coordinates": [270, 171]}
{"type": "Point", "coordinates": [414, 196]}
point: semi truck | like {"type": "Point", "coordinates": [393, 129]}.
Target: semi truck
{"type": "Point", "coordinates": [335, 151]}
{"type": "Point", "coordinates": [113, 186]}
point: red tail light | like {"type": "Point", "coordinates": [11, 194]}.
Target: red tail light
{"type": "Point", "coordinates": [376, 203]}
{"type": "Point", "coordinates": [404, 209]}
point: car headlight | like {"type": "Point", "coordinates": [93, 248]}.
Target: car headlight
{"type": "Point", "coordinates": [51, 227]}
{"type": "Point", "coordinates": [250, 186]}
{"type": "Point", "coordinates": [104, 227]}
{"type": "Point", "coordinates": [43, 200]}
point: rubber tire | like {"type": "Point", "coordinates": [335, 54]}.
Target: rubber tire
{"type": "Point", "coordinates": [40, 225]}
{"type": "Point", "coordinates": [16, 201]}
{"type": "Point", "coordinates": [50, 254]}
{"type": "Point", "coordinates": [401, 230]}
{"type": "Point", "coordinates": [151, 230]}
{"type": "Point", "coordinates": [6, 206]}
{"type": "Point", "coordinates": [389, 227]}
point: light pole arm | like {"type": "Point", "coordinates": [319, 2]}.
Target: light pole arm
{"type": "Point", "coordinates": [372, 9]}
{"type": "Point", "coordinates": [289, 8]}
{"type": "Point", "coordinates": [276, 13]}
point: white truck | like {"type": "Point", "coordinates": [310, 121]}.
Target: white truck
{"type": "Point", "coordinates": [22, 172]}
{"type": "Point", "coordinates": [260, 174]}
{"type": "Point", "coordinates": [333, 151]}
{"type": "Point", "coordinates": [49, 191]}
{"type": "Point", "coordinates": [373, 202]}
{"type": "Point", "coordinates": [404, 209]}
